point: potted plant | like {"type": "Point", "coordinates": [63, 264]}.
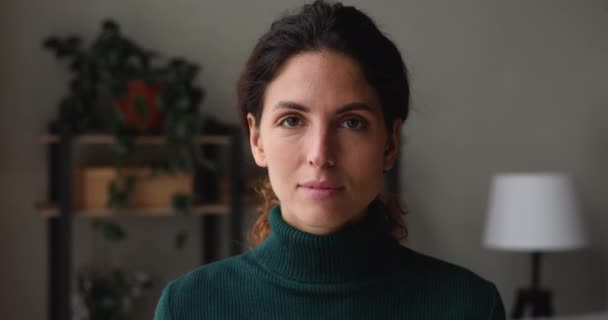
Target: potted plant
{"type": "Point", "coordinates": [108, 295]}
{"type": "Point", "coordinates": [119, 87]}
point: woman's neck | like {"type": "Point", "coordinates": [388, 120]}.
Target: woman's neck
{"type": "Point", "coordinates": [356, 251]}
{"type": "Point", "coordinates": [319, 229]}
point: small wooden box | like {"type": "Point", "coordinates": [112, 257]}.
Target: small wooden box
{"type": "Point", "coordinates": [90, 187]}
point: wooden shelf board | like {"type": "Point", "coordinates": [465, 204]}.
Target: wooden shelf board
{"type": "Point", "coordinates": [49, 210]}
{"type": "Point", "coordinates": [106, 139]}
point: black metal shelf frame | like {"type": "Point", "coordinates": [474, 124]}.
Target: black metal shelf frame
{"type": "Point", "coordinates": [59, 228]}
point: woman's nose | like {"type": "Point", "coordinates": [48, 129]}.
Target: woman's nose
{"type": "Point", "coordinates": [321, 148]}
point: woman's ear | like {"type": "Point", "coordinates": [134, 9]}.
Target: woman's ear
{"type": "Point", "coordinates": [255, 141]}
{"type": "Point", "coordinates": [391, 149]}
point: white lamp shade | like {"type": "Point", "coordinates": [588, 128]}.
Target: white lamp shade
{"type": "Point", "coordinates": [533, 212]}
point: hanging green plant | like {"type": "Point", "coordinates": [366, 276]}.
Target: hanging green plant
{"type": "Point", "coordinates": [119, 87]}
{"type": "Point", "coordinates": [108, 294]}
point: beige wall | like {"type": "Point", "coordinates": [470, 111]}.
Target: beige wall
{"type": "Point", "coordinates": [498, 86]}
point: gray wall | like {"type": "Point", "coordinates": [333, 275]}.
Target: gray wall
{"type": "Point", "coordinates": [498, 86]}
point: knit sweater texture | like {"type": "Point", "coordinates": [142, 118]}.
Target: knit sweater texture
{"type": "Point", "coordinates": [357, 272]}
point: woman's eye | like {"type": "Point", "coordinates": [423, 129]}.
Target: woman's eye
{"type": "Point", "coordinates": [354, 123]}
{"type": "Point", "coordinates": [290, 122]}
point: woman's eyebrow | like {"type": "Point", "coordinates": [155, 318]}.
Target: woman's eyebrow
{"type": "Point", "coordinates": [345, 108]}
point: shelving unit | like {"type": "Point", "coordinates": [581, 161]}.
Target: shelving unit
{"type": "Point", "coordinates": [49, 210]}
{"type": "Point", "coordinates": [59, 212]}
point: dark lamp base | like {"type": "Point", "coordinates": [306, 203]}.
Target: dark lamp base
{"type": "Point", "coordinates": [535, 303]}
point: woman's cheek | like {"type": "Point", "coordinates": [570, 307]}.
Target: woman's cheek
{"type": "Point", "coordinates": [368, 157]}
{"type": "Point", "coordinates": [281, 154]}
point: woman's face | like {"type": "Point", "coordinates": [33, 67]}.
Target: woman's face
{"type": "Point", "coordinates": [323, 139]}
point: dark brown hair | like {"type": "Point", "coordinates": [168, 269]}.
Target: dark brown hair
{"type": "Point", "coordinates": [325, 26]}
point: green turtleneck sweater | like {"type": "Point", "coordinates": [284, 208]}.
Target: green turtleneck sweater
{"type": "Point", "coordinates": [358, 272]}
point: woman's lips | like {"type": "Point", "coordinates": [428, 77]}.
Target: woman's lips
{"type": "Point", "coordinates": [319, 193]}
{"type": "Point", "coordinates": [321, 184]}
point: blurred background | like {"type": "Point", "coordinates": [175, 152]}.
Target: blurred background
{"type": "Point", "coordinates": [498, 86]}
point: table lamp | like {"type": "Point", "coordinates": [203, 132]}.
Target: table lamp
{"type": "Point", "coordinates": [535, 213]}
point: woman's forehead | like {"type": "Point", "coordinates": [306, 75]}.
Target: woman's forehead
{"type": "Point", "coordinates": [320, 81]}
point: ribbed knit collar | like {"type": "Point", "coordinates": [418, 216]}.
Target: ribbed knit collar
{"type": "Point", "coordinates": [359, 250]}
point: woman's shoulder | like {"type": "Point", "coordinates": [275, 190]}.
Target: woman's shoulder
{"type": "Point", "coordinates": [462, 288]}
{"type": "Point", "coordinates": [431, 269]}
{"type": "Point", "coordinates": [208, 275]}
{"type": "Point", "coordinates": [184, 294]}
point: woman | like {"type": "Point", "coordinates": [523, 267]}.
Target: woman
{"type": "Point", "coordinates": [323, 98]}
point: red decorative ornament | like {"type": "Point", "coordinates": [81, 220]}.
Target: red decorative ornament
{"type": "Point", "coordinates": [139, 107]}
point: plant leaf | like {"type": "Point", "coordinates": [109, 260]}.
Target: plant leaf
{"type": "Point", "coordinates": [141, 106]}
{"type": "Point", "coordinates": [180, 239]}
